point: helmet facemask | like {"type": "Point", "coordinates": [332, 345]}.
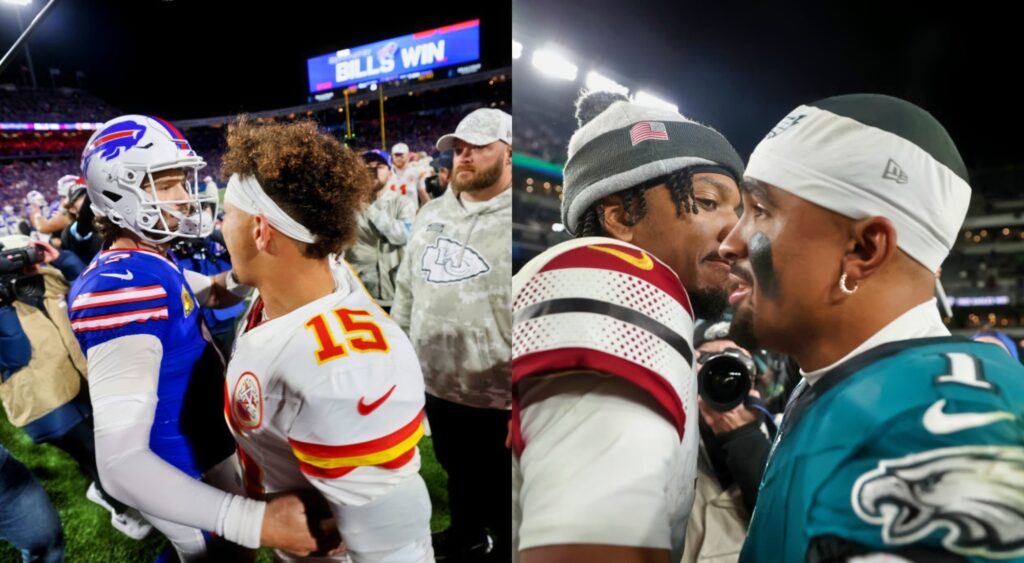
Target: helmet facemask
{"type": "Point", "coordinates": [151, 223]}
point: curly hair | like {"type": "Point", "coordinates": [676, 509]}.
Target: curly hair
{"type": "Point", "coordinates": [315, 179]}
{"type": "Point", "coordinates": [680, 186]}
{"type": "Point", "coordinates": [106, 228]}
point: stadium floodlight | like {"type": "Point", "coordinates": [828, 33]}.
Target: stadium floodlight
{"type": "Point", "coordinates": [554, 64]}
{"type": "Point", "coordinates": [557, 227]}
{"type": "Point", "coordinates": [17, 2]}
{"type": "Point", "coordinates": [645, 99]}
{"type": "Point", "coordinates": [598, 82]}
{"type": "Point", "coordinates": [517, 49]}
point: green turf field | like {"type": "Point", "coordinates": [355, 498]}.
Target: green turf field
{"type": "Point", "coordinates": [87, 529]}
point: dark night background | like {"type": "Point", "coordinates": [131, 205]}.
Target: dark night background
{"type": "Point", "coordinates": [187, 59]}
{"type": "Point", "coordinates": [741, 66]}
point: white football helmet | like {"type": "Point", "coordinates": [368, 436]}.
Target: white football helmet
{"type": "Point", "coordinates": [126, 151]}
{"type": "Point", "coordinates": [35, 198]}
{"type": "Point", "coordinates": [67, 183]}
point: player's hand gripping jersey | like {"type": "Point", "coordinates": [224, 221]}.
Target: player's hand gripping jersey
{"type": "Point", "coordinates": [916, 445]}
{"type": "Point", "coordinates": [603, 418]}
{"type": "Point", "coordinates": [331, 396]}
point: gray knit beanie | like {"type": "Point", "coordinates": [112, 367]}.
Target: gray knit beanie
{"type": "Point", "coordinates": [621, 144]}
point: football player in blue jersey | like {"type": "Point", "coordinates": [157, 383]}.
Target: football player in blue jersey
{"type": "Point", "coordinates": [155, 380]}
{"type": "Point", "coordinates": [901, 441]}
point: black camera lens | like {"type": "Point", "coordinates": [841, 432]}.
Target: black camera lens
{"type": "Point", "coordinates": [724, 381]}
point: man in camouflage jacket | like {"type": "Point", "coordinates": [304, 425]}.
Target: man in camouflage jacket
{"type": "Point", "coordinates": [452, 297]}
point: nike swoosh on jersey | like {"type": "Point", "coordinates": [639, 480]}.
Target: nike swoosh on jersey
{"type": "Point", "coordinates": [938, 422]}
{"type": "Point", "coordinates": [643, 262]}
{"type": "Point", "coordinates": [365, 409]}
{"type": "Point", "coordinates": [127, 275]}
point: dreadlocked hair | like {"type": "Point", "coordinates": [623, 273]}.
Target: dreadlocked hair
{"type": "Point", "coordinates": [634, 200]}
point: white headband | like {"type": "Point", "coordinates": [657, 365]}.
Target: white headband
{"type": "Point", "coordinates": [860, 171]}
{"type": "Point", "coordinates": [245, 193]}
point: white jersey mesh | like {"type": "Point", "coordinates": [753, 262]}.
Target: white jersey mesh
{"type": "Point", "coordinates": [607, 286]}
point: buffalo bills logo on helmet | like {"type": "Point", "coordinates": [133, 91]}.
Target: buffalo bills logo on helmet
{"type": "Point", "coordinates": [113, 141]}
{"type": "Point", "coordinates": [176, 136]}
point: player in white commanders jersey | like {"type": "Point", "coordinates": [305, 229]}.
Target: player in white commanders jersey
{"type": "Point", "coordinates": [408, 177]}
{"type": "Point", "coordinates": [325, 393]}
{"type": "Point", "coordinates": [604, 411]}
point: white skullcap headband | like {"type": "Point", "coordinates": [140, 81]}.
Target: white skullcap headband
{"type": "Point", "coordinates": [245, 193]}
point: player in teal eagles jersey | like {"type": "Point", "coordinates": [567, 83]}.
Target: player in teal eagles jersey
{"type": "Point", "coordinates": [913, 442]}
{"type": "Point", "coordinates": [900, 439]}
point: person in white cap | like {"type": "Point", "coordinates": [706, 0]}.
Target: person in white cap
{"type": "Point", "coordinates": [900, 440]}
{"type": "Point", "coordinates": [408, 179]}
{"type": "Point", "coordinates": [453, 298]}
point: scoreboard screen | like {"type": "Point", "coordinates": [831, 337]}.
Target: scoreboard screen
{"type": "Point", "coordinates": [395, 58]}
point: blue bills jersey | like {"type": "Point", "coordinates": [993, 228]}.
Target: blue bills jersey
{"type": "Point", "coordinates": [131, 292]}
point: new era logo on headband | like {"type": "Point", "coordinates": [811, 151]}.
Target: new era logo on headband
{"type": "Point", "coordinates": [647, 130]}
{"type": "Point", "coordinates": [894, 172]}
{"type": "Point", "coordinates": [786, 123]}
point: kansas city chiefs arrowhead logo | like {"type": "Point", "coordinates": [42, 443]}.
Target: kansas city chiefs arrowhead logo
{"type": "Point", "coordinates": [247, 402]}
{"type": "Point", "coordinates": [970, 494]}
{"type": "Point", "coordinates": [447, 261]}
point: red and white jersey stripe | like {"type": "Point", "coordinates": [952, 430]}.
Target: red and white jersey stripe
{"type": "Point", "coordinates": [118, 319]}
{"type": "Point", "coordinates": [599, 304]}
{"type": "Point", "coordinates": [117, 296]}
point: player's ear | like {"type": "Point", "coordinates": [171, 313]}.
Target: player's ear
{"type": "Point", "coordinates": [614, 218]}
{"type": "Point", "coordinates": [261, 232]}
{"type": "Point", "coordinates": [873, 243]}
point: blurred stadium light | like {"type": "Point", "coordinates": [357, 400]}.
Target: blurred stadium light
{"type": "Point", "coordinates": [553, 64]}
{"type": "Point", "coordinates": [653, 101]}
{"type": "Point", "coordinates": [599, 82]}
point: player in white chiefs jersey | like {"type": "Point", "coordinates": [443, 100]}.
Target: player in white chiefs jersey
{"type": "Point", "coordinates": [325, 393]}
{"type": "Point", "coordinates": [408, 177]}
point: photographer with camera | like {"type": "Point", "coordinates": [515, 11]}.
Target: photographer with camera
{"type": "Point", "coordinates": [734, 445]}
{"type": "Point", "coordinates": [42, 367]}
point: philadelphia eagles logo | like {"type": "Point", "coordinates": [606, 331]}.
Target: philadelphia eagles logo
{"type": "Point", "coordinates": [972, 493]}
{"type": "Point", "coordinates": [447, 261]}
